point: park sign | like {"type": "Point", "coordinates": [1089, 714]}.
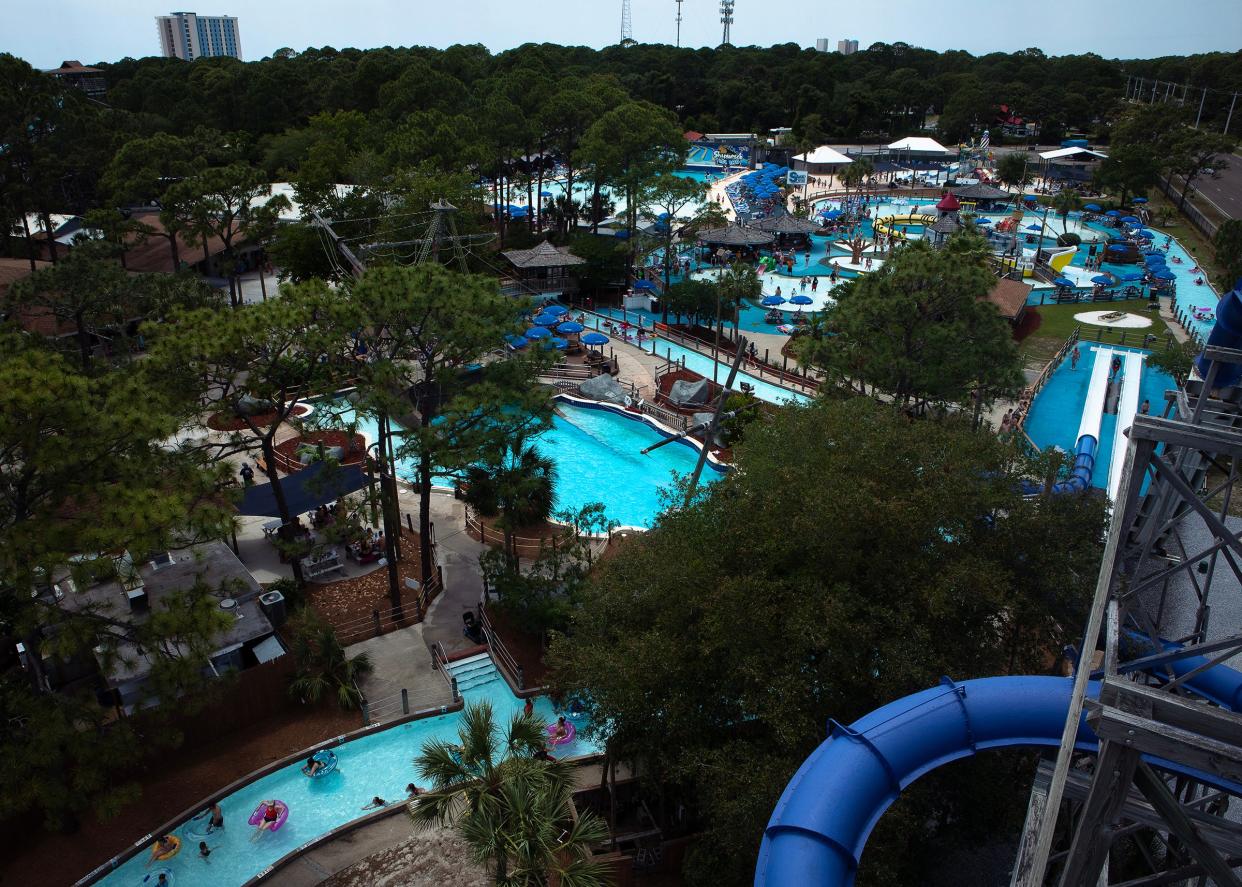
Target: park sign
{"type": "Point", "coordinates": [795, 177]}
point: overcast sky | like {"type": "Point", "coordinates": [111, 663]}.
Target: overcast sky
{"type": "Point", "coordinates": [106, 30]}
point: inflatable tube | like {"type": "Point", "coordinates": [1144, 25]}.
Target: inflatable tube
{"type": "Point", "coordinates": [820, 825]}
{"type": "Point", "coordinates": [152, 878]}
{"type": "Point", "coordinates": [885, 225]}
{"type": "Point", "coordinates": [1226, 333]}
{"type": "Point", "coordinates": [282, 814]}
{"type": "Point", "coordinates": [176, 842]}
{"type": "Point", "coordinates": [327, 757]}
{"type": "Point", "coordinates": [566, 739]}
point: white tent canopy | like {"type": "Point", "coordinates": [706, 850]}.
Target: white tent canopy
{"type": "Point", "coordinates": [823, 155]}
{"type": "Point", "coordinates": [920, 145]}
{"type": "Point", "coordinates": [1061, 153]}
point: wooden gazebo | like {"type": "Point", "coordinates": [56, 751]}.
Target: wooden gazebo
{"type": "Point", "coordinates": [544, 268]}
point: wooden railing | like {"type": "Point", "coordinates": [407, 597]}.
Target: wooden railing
{"type": "Point", "coordinates": [381, 621]}
{"type": "Point", "coordinates": [527, 546]}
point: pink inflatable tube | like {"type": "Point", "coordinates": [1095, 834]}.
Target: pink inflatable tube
{"type": "Point", "coordinates": [256, 818]}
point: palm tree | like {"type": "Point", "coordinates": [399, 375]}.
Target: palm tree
{"type": "Point", "coordinates": [1065, 202]}
{"type": "Point", "coordinates": [519, 489]}
{"type": "Point", "coordinates": [736, 284]}
{"type": "Point", "coordinates": [514, 811]}
{"type": "Point", "coordinates": [323, 666]}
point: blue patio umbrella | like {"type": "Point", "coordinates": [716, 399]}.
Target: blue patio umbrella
{"type": "Point", "coordinates": [545, 193]}
{"type": "Point", "coordinates": [548, 320]}
{"type": "Point", "coordinates": [1132, 220]}
{"type": "Point", "coordinates": [558, 343]}
{"type": "Point", "coordinates": [1092, 207]}
{"type": "Point", "coordinates": [1164, 274]}
{"type": "Point", "coordinates": [538, 332]}
{"type": "Point", "coordinates": [801, 300]}
{"type": "Point", "coordinates": [1112, 213]}
{"type": "Point", "coordinates": [1029, 198]}
{"type": "Point", "coordinates": [516, 341]}
{"type": "Point", "coordinates": [983, 220]}
{"type": "Point", "coordinates": [569, 327]}
{"type": "Point", "coordinates": [831, 214]}
{"type": "Point", "coordinates": [595, 339]}
{"type": "Point", "coordinates": [1132, 277]}
{"type": "Point", "coordinates": [554, 310]}
{"type": "Point", "coordinates": [1060, 281]}
{"type": "Point", "coordinates": [1102, 280]}
{"type": "Point", "coordinates": [771, 301]}
{"type": "Point", "coordinates": [1138, 199]}
{"type": "Point", "coordinates": [1034, 227]}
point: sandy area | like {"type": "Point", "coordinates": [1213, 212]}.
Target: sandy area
{"type": "Point", "coordinates": [435, 858]}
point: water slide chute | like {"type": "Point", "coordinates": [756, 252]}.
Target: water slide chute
{"type": "Point", "coordinates": [1088, 439]}
{"type": "Point", "coordinates": [1226, 333]}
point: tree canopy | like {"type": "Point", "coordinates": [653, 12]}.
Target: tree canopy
{"type": "Point", "coordinates": [852, 558]}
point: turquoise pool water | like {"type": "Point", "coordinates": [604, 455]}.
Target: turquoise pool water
{"type": "Point", "coordinates": [598, 460]}
{"type": "Point", "coordinates": [377, 765]}
{"type": "Point", "coordinates": [1057, 410]}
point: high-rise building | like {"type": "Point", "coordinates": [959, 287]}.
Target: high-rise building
{"type": "Point", "coordinates": [821, 45]}
{"type": "Point", "coordinates": [847, 47]}
{"type": "Point", "coordinates": [186, 35]}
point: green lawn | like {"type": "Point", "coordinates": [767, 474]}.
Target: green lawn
{"type": "Point", "coordinates": [1056, 322]}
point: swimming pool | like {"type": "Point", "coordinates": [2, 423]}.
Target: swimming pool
{"type": "Point", "coordinates": [597, 458]}
{"type": "Point", "coordinates": [380, 764]}
{"type": "Point", "coordinates": [1057, 410]}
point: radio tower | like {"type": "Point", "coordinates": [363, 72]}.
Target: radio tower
{"type": "Point", "coordinates": [679, 2]}
{"type": "Point", "coordinates": [627, 28]}
{"type": "Point", "coordinates": [726, 19]}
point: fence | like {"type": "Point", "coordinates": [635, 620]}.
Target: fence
{"type": "Point", "coordinates": [440, 663]}
{"type": "Point", "coordinates": [500, 655]}
{"type": "Point", "coordinates": [760, 367]}
{"type": "Point", "coordinates": [381, 621]}
{"type": "Point", "coordinates": [527, 546]}
{"type": "Point", "coordinates": [1193, 214]}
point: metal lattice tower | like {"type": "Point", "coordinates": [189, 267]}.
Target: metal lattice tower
{"type": "Point", "coordinates": [1170, 750]}
{"type": "Point", "coordinates": [627, 26]}
{"type": "Point", "coordinates": [726, 19]}
{"type": "Point", "coordinates": [679, 2]}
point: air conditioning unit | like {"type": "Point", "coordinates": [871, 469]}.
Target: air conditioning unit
{"type": "Point", "coordinates": [272, 603]}
{"type": "Point", "coordinates": [162, 559]}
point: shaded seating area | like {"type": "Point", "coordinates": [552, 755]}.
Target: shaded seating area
{"type": "Point", "coordinates": [986, 198]}
{"type": "Point", "coordinates": [544, 268]}
{"type": "Point", "coordinates": [788, 229]}
{"type": "Point", "coordinates": [735, 239]}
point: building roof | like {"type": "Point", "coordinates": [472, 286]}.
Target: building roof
{"type": "Point", "coordinates": [735, 235]}
{"type": "Point", "coordinates": [1063, 153]}
{"type": "Point", "coordinates": [948, 203]}
{"type": "Point", "coordinates": [13, 270]}
{"type": "Point", "coordinates": [785, 224]}
{"type": "Point", "coordinates": [823, 154]}
{"type": "Point", "coordinates": [921, 144]}
{"type": "Point", "coordinates": [154, 253]}
{"type": "Point", "coordinates": [981, 191]}
{"type": "Point", "coordinates": [948, 223]}
{"type": "Point", "coordinates": [691, 136]}
{"type": "Point", "coordinates": [73, 66]}
{"type": "Point", "coordinates": [215, 565]}
{"type": "Point", "coordinates": [1009, 297]}
{"type": "Point", "coordinates": [545, 255]}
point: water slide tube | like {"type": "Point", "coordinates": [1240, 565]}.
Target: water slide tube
{"type": "Point", "coordinates": [1089, 428]}
{"type": "Point", "coordinates": [1226, 333]}
{"type": "Point", "coordinates": [885, 225]}
{"type": "Point", "coordinates": [1127, 408]}
{"type": "Point", "coordinates": [821, 824]}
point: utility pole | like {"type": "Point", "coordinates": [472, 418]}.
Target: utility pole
{"type": "Point", "coordinates": [679, 2]}
{"type": "Point", "coordinates": [726, 19]}
{"type": "Point", "coordinates": [627, 26]}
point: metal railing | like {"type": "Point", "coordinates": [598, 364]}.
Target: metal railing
{"type": "Point", "coordinates": [760, 368]}
{"type": "Point", "coordinates": [524, 544]}
{"type": "Point", "coordinates": [500, 654]}
{"type": "Point", "coordinates": [381, 621]}
{"type": "Point", "coordinates": [440, 662]}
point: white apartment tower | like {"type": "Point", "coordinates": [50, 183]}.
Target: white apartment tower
{"type": "Point", "coordinates": [847, 47]}
{"type": "Point", "coordinates": [188, 36]}
{"type": "Point", "coordinates": [821, 44]}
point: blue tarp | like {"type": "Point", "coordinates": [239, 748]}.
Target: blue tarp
{"type": "Point", "coordinates": [305, 490]}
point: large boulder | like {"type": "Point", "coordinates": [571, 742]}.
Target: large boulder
{"type": "Point", "coordinates": [604, 388]}
{"type": "Point", "coordinates": [689, 393]}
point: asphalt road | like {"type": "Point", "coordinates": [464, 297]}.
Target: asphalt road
{"type": "Point", "coordinates": [1225, 188]}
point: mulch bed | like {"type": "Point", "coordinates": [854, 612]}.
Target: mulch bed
{"type": "Point", "coordinates": [355, 451]}
{"type": "Point", "coordinates": [1031, 322]}
{"type": "Point", "coordinates": [36, 857]}
{"type": "Point", "coordinates": [347, 601]}
{"type": "Point", "coordinates": [224, 421]}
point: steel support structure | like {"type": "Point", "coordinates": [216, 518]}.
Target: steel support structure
{"type": "Point", "coordinates": [1167, 756]}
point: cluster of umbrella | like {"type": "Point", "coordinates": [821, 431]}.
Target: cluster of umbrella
{"type": "Point", "coordinates": [758, 185]}
{"type": "Point", "coordinates": [777, 301]}
{"type": "Point", "coordinates": [1157, 267]}
{"type": "Point", "coordinates": [830, 214]}
{"type": "Point", "coordinates": [549, 320]}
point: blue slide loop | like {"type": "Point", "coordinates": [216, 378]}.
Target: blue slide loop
{"type": "Point", "coordinates": [821, 823]}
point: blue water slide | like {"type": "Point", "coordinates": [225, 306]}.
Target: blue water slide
{"type": "Point", "coordinates": [1226, 333]}
{"type": "Point", "coordinates": [820, 825]}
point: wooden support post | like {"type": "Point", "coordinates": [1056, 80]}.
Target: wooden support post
{"type": "Point", "coordinates": [1114, 771]}
{"type": "Point", "coordinates": [405, 701]}
{"type": "Point", "coordinates": [1162, 799]}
